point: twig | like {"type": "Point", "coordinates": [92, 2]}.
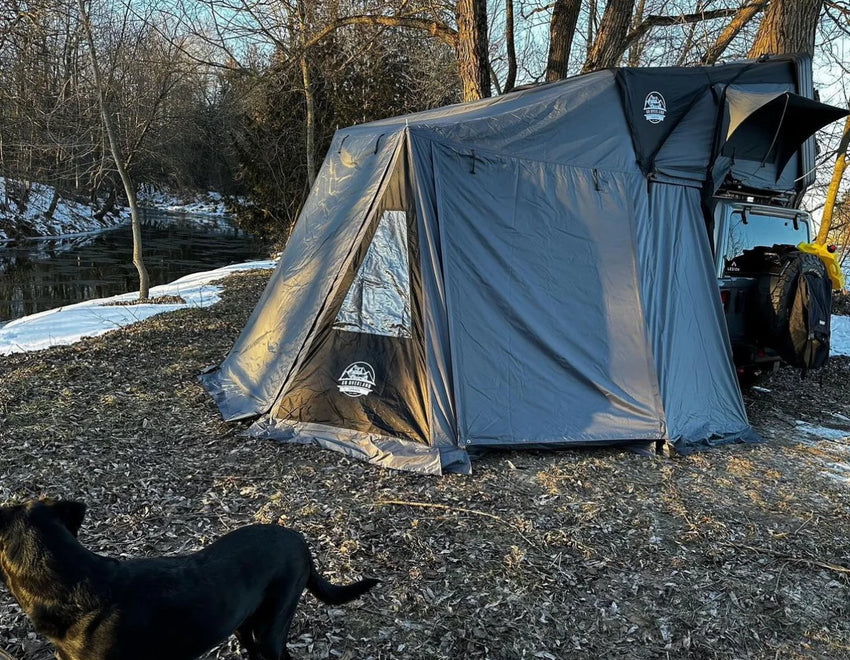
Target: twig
{"type": "Point", "coordinates": [805, 522]}
{"type": "Point", "coordinates": [433, 505]}
{"type": "Point", "coordinates": [789, 558]}
{"type": "Point", "coordinates": [446, 507]}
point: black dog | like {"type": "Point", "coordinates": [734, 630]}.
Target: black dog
{"type": "Point", "coordinates": [174, 608]}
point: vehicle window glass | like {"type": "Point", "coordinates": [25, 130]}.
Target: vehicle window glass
{"type": "Point", "coordinates": [762, 229]}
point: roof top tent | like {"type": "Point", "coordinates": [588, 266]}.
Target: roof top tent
{"type": "Point", "coordinates": [526, 270]}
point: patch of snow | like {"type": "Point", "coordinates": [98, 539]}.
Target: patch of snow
{"type": "Point", "coordinates": [66, 325]}
{"type": "Point", "coordinates": [839, 343]}
{"type": "Point", "coordinates": [836, 460]}
{"type": "Point", "coordinates": [210, 203]}
{"type": "Point", "coordinates": [823, 432]}
{"type": "Point", "coordinates": [69, 217]}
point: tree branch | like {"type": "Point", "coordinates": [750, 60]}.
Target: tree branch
{"type": "Point", "coordinates": [437, 29]}
{"type": "Point", "coordinates": [661, 21]}
{"type": "Point", "coordinates": [741, 18]}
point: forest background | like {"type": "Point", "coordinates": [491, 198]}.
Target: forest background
{"type": "Point", "coordinates": [101, 97]}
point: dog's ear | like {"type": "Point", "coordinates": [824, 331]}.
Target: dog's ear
{"type": "Point", "coordinates": [70, 513]}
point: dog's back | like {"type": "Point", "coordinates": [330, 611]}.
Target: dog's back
{"type": "Point", "coordinates": [172, 608]}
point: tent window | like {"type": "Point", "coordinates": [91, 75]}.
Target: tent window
{"type": "Point", "coordinates": [378, 301]}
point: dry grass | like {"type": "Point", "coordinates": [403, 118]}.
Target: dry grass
{"type": "Point", "coordinates": [734, 552]}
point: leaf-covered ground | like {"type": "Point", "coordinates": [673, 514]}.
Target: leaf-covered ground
{"type": "Point", "coordinates": [739, 551]}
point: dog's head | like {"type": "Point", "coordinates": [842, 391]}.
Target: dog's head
{"type": "Point", "coordinates": [38, 513]}
{"type": "Point", "coordinates": [24, 528]}
{"type": "Point", "coordinates": [34, 538]}
{"type": "Point", "coordinates": [39, 518]}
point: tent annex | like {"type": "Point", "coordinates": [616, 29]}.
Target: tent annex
{"type": "Point", "coordinates": [527, 270]}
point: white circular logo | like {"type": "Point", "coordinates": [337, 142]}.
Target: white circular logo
{"type": "Point", "coordinates": [654, 108]}
{"type": "Point", "coordinates": [358, 379]}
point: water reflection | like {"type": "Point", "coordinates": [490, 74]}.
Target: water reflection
{"type": "Point", "coordinates": [44, 274]}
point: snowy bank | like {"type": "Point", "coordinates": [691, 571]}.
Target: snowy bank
{"type": "Point", "coordinates": [30, 217]}
{"type": "Point", "coordinates": [209, 203]}
{"type": "Point", "coordinates": [66, 325]}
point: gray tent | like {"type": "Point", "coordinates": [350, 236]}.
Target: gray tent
{"type": "Point", "coordinates": [527, 270]}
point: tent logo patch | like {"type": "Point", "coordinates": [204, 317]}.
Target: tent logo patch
{"type": "Point", "coordinates": [654, 108]}
{"type": "Point", "coordinates": [358, 379]}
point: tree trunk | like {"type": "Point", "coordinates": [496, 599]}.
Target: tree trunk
{"type": "Point", "coordinates": [310, 120]}
{"type": "Point", "coordinates": [835, 184]}
{"type": "Point", "coordinates": [472, 48]}
{"type": "Point", "coordinates": [54, 202]}
{"type": "Point", "coordinates": [592, 24]}
{"type": "Point", "coordinates": [788, 26]}
{"type": "Point", "coordinates": [637, 46]}
{"type": "Point", "coordinates": [561, 31]}
{"type": "Point", "coordinates": [510, 45]}
{"type": "Point", "coordinates": [612, 36]}
{"type": "Point", "coordinates": [117, 156]}
{"type": "Point", "coordinates": [107, 207]}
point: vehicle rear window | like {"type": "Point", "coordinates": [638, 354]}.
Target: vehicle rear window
{"type": "Point", "coordinates": [762, 229]}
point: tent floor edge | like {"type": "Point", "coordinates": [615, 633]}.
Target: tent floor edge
{"type": "Point", "coordinates": [381, 450]}
{"type": "Point", "coordinates": [747, 435]}
{"type": "Point", "coordinates": [232, 402]}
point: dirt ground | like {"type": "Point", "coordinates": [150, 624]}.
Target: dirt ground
{"type": "Point", "coordinates": [735, 552]}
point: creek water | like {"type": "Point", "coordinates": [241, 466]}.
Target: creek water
{"type": "Point", "coordinates": [46, 273]}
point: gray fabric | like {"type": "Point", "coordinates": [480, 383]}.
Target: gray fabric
{"type": "Point", "coordinates": [548, 123]}
{"type": "Point", "coordinates": [321, 246]}
{"type": "Point", "coordinates": [548, 338]}
{"type": "Point", "coordinates": [742, 102]}
{"type": "Point", "coordinates": [686, 153]}
{"type": "Point", "coordinates": [372, 448]}
{"type": "Point", "coordinates": [693, 358]}
{"type": "Point", "coordinates": [773, 127]}
{"type": "Point", "coordinates": [754, 173]}
{"type": "Point", "coordinates": [564, 299]}
{"type": "Point", "coordinates": [442, 419]}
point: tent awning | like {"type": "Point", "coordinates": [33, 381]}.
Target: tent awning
{"type": "Point", "coordinates": [770, 127]}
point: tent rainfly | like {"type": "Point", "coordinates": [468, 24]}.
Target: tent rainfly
{"type": "Point", "coordinates": [527, 270]}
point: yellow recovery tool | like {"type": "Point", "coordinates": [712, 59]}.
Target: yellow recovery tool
{"type": "Point", "coordinates": [828, 256]}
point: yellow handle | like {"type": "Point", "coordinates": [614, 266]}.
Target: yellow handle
{"type": "Point", "coordinates": [829, 259]}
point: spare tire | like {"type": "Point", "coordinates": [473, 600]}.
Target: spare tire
{"type": "Point", "coordinates": [791, 307]}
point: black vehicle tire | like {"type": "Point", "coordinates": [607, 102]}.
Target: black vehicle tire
{"type": "Point", "coordinates": [791, 309]}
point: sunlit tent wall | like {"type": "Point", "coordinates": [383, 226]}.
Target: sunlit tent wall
{"type": "Point", "coordinates": [528, 270]}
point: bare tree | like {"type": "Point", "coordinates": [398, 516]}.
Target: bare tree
{"type": "Point", "coordinates": [612, 36]}
{"type": "Point", "coordinates": [472, 49]}
{"type": "Point", "coordinates": [743, 16]}
{"type": "Point", "coordinates": [109, 124]}
{"type": "Point", "coordinates": [562, 29]}
{"type": "Point", "coordinates": [310, 121]}
{"type": "Point", "coordinates": [510, 45]}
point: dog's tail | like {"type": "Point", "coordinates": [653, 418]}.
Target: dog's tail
{"type": "Point", "coordinates": [334, 594]}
